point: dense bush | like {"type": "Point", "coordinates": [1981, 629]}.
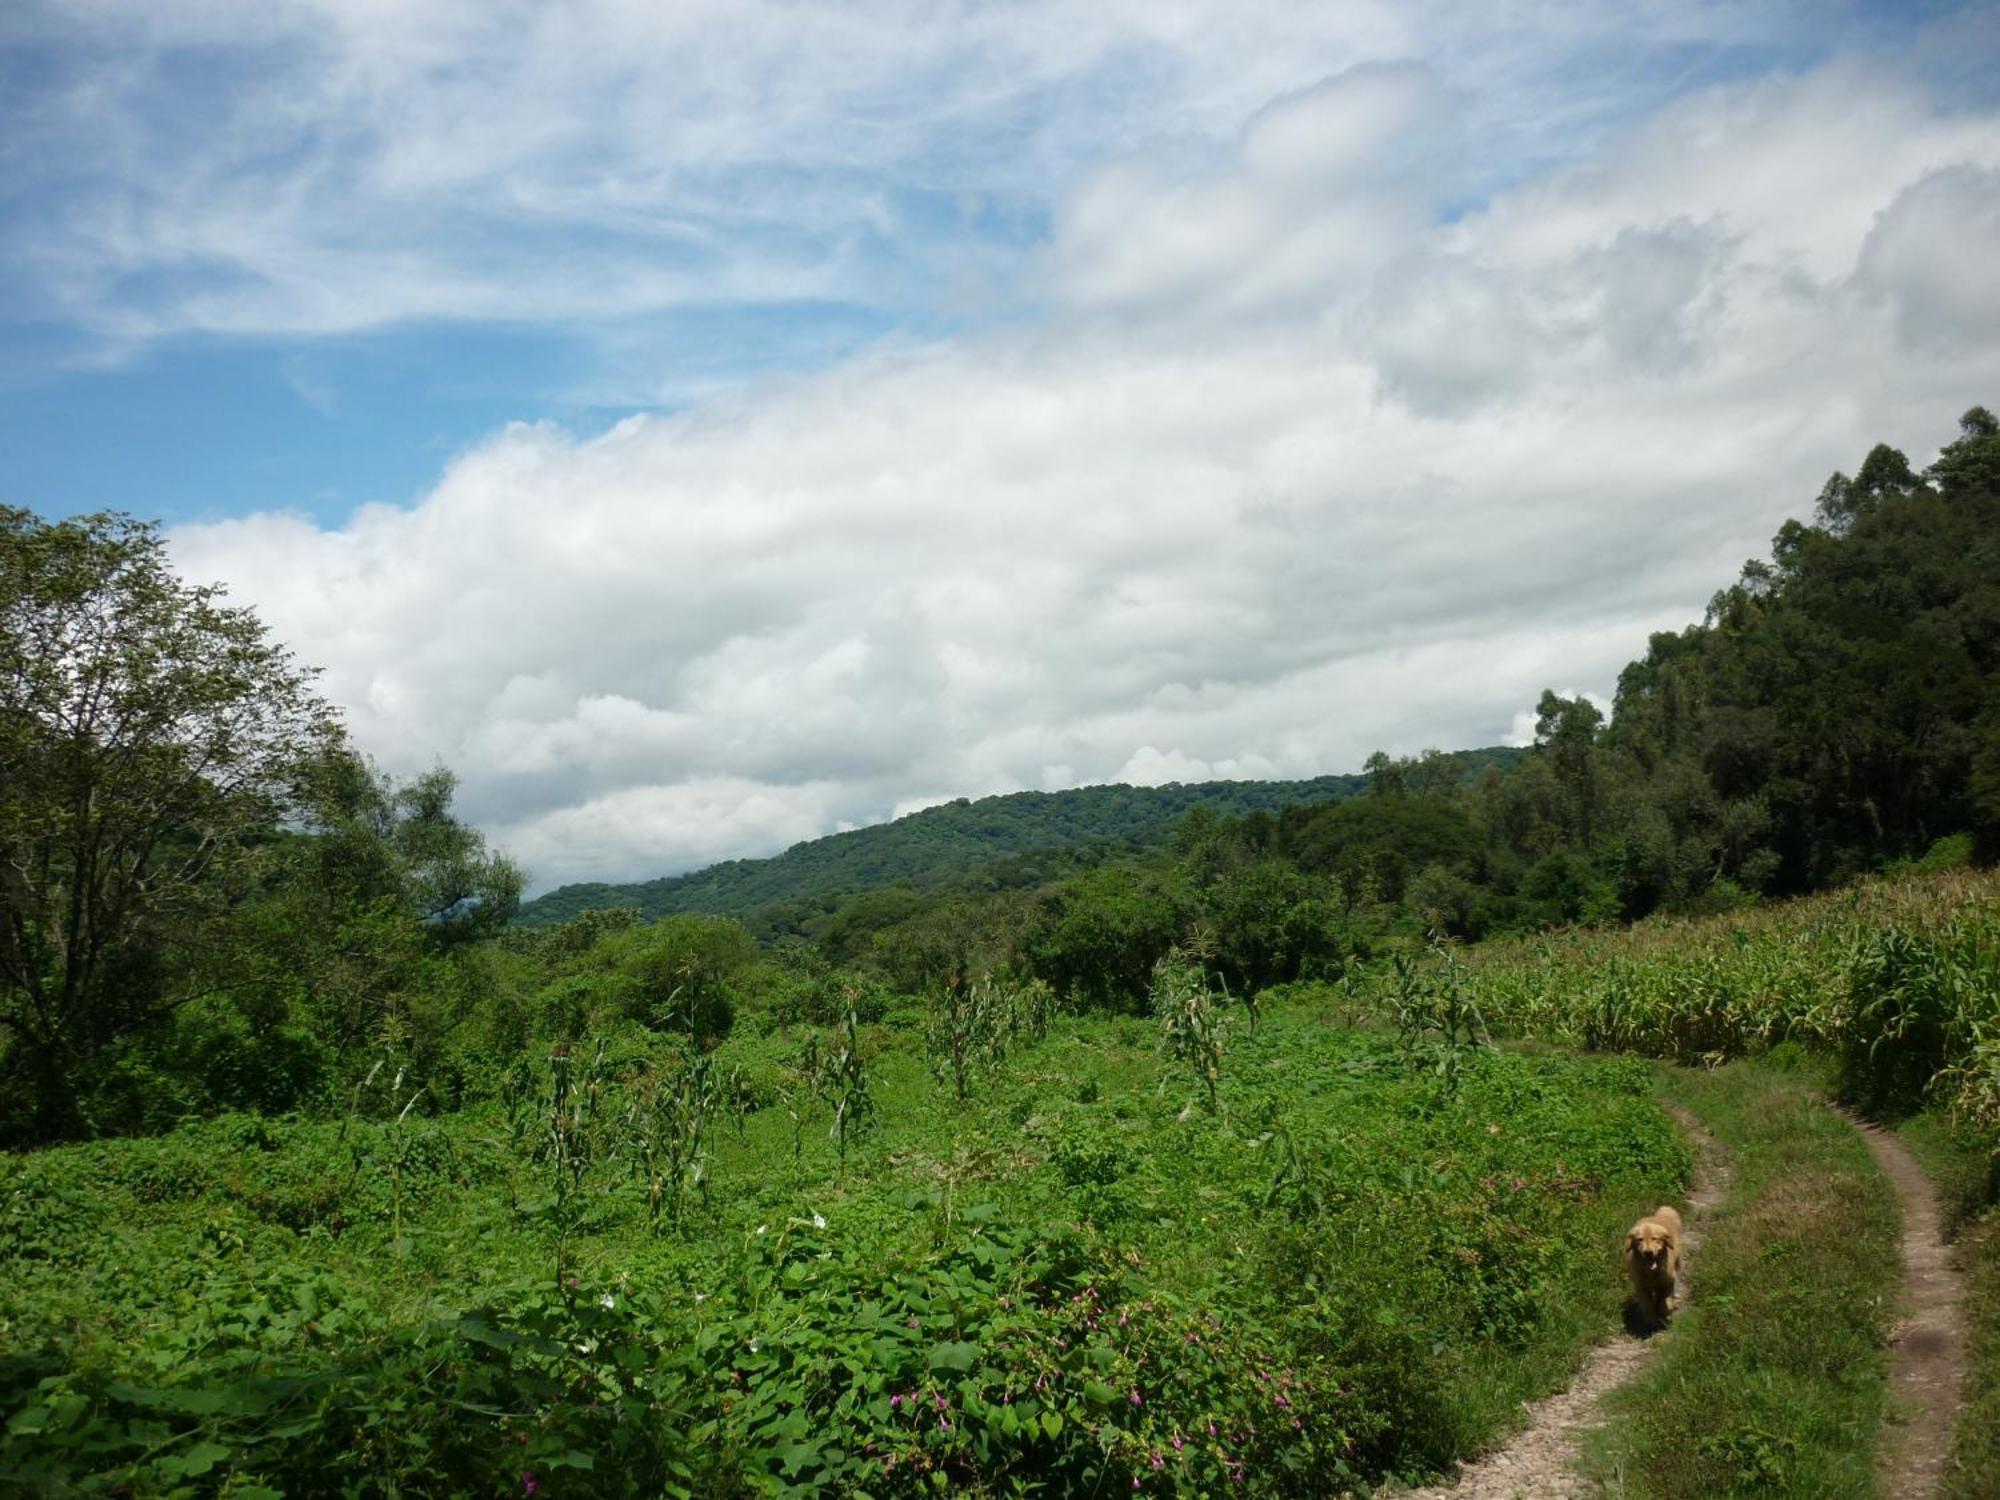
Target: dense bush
{"type": "Point", "coordinates": [1096, 938]}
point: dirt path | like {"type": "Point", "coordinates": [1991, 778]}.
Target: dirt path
{"type": "Point", "coordinates": [1927, 1371]}
{"type": "Point", "coordinates": [1539, 1462]}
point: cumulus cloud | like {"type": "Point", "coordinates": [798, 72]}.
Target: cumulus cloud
{"type": "Point", "coordinates": [1929, 257]}
{"type": "Point", "coordinates": [1309, 458]}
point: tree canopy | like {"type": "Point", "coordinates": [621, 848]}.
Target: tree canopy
{"type": "Point", "coordinates": [153, 737]}
{"type": "Point", "coordinates": [182, 822]}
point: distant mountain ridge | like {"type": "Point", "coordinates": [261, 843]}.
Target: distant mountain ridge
{"type": "Point", "coordinates": [1006, 840]}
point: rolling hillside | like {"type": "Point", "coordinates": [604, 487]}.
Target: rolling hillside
{"type": "Point", "coordinates": [1018, 839]}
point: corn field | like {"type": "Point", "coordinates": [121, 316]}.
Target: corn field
{"type": "Point", "coordinates": [1899, 979]}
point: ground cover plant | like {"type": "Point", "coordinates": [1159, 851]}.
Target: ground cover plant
{"type": "Point", "coordinates": [1073, 1280]}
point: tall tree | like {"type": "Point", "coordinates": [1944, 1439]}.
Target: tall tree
{"type": "Point", "coordinates": [150, 739]}
{"type": "Point", "coordinates": [1566, 734]}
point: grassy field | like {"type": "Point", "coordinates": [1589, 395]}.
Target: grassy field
{"type": "Point", "coordinates": [1079, 1280]}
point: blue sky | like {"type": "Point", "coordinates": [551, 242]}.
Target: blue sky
{"type": "Point", "coordinates": [969, 376]}
{"type": "Point", "coordinates": [119, 393]}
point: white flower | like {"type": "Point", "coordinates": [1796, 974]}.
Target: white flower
{"type": "Point", "coordinates": [819, 1221]}
{"type": "Point", "coordinates": [607, 1302]}
{"type": "Point", "coordinates": [763, 1228]}
{"type": "Point", "coordinates": [699, 1298]}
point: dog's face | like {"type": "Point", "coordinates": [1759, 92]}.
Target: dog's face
{"type": "Point", "coordinates": [1648, 1244]}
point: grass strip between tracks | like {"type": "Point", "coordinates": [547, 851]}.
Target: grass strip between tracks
{"type": "Point", "coordinates": [1772, 1381]}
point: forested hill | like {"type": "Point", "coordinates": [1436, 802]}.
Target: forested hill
{"type": "Point", "coordinates": [1022, 838]}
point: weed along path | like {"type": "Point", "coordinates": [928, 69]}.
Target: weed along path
{"type": "Point", "coordinates": [1927, 1374]}
{"type": "Point", "coordinates": [1540, 1460]}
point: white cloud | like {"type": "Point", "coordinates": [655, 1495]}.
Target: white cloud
{"type": "Point", "coordinates": [1322, 188]}
{"type": "Point", "coordinates": [702, 821]}
{"type": "Point", "coordinates": [1930, 256]}
{"type": "Point", "coordinates": [1258, 502]}
{"type": "Point", "coordinates": [320, 166]}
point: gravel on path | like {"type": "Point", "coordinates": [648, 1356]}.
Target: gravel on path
{"type": "Point", "coordinates": [1539, 1461]}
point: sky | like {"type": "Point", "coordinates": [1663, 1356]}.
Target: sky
{"type": "Point", "coordinates": [707, 426]}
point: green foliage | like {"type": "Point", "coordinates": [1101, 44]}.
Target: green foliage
{"type": "Point", "coordinates": [1371, 847]}
{"type": "Point", "coordinates": [1437, 1023]}
{"type": "Point", "coordinates": [563, 1121]}
{"type": "Point", "coordinates": [1273, 924]}
{"type": "Point", "coordinates": [1096, 939]}
{"type": "Point", "coordinates": [838, 1073]}
{"type": "Point", "coordinates": [669, 1116]}
{"type": "Point", "coordinates": [1565, 888]}
{"type": "Point", "coordinates": [967, 1027]}
{"type": "Point", "coordinates": [1899, 979]}
{"type": "Point", "coordinates": [680, 974]}
{"type": "Point", "coordinates": [152, 740]}
{"type": "Point", "coordinates": [1830, 714]}
{"type": "Point", "coordinates": [1772, 1383]}
{"type": "Point", "coordinates": [304, 1306]}
{"type": "Point", "coordinates": [1020, 840]}
{"type": "Point", "coordinates": [1192, 1027]}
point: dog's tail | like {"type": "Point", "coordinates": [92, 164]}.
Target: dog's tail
{"type": "Point", "coordinates": [1670, 1215]}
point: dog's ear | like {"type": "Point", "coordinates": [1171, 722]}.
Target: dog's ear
{"type": "Point", "coordinates": [1632, 1243]}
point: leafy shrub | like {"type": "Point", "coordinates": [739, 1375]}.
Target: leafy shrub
{"type": "Point", "coordinates": [681, 972]}
{"type": "Point", "coordinates": [1085, 1154]}
{"type": "Point", "coordinates": [1096, 938]}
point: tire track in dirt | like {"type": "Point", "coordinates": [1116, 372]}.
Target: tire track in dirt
{"type": "Point", "coordinates": [1928, 1343]}
{"type": "Point", "coordinates": [1539, 1461]}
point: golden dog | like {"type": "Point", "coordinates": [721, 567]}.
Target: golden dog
{"type": "Point", "coordinates": [1653, 1256]}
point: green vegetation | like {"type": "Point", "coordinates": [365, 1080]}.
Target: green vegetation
{"type": "Point", "coordinates": [1010, 842]}
{"type": "Point", "coordinates": [204, 895]}
{"type": "Point", "coordinates": [1772, 1383]}
{"type": "Point", "coordinates": [1141, 1140]}
{"type": "Point", "coordinates": [1898, 980]}
{"type": "Point", "coordinates": [1837, 710]}
{"type": "Point", "coordinates": [1888, 994]}
{"type": "Point", "coordinates": [1354, 1265]}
